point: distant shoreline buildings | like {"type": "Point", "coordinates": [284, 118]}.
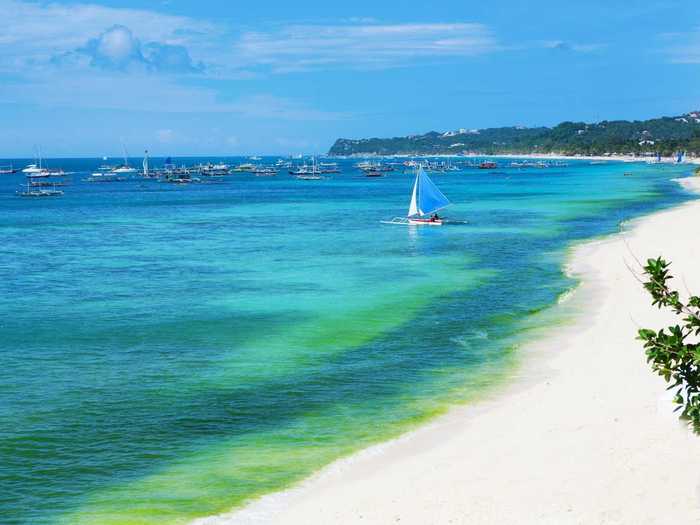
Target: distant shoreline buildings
{"type": "Point", "coordinates": [664, 136]}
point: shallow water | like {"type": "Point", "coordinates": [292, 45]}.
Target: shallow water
{"type": "Point", "coordinates": [170, 352]}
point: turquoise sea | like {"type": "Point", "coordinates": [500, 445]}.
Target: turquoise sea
{"type": "Point", "coordinates": [170, 352]}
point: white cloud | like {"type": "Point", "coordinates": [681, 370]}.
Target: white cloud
{"type": "Point", "coordinates": [165, 136]}
{"type": "Point", "coordinates": [117, 44]}
{"type": "Point", "coordinates": [307, 47]}
{"type": "Point", "coordinates": [149, 93]}
{"type": "Point", "coordinates": [117, 48]}
{"type": "Point", "coordinates": [37, 35]}
{"type": "Point", "coordinates": [563, 45]}
{"type": "Point", "coordinates": [34, 34]}
{"type": "Point", "coordinates": [89, 56]}
{"type": "Point", "coordinates": [85, 56]}
{"type": "Point", "coordinates": [683, 48]}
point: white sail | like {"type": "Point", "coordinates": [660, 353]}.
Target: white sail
{"type": "Point", "coordinates": [145, 164]}
{"type": "Point", "coordinates": [426, 198]}
{"type": "Point", "coordinates": [413, 207]}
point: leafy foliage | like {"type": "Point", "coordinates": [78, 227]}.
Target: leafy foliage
{"type": "Point", "coordinates": [671, 351]}
{"type": "Point", "coordinates": [664, 135]}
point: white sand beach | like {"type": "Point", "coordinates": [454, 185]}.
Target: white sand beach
{"type": "Point", "coordinates": [538, 156]}
{"type": "Point", "coordinates": [584, 434]}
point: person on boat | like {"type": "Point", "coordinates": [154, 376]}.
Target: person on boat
{"type": "Point", "coordinates": [435, 218]}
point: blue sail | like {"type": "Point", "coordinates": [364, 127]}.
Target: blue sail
{"type": "Point", "coordinates": [429, 198]}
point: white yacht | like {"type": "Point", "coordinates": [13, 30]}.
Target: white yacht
{"type": "Point", "coordinates": [34, 168]}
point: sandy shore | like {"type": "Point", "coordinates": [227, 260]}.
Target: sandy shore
{"type": "Point", "coordinates": [618, 158]}
{"type": "Point", "coordinates": [553, 156]}
{"type": "Point", "coordinates": [593, 158]}
{"type": "Point", "coordinates": [584, 435]}
{"type": "Point", "coordinates": [536, 156]}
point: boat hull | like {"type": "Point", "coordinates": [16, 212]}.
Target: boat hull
{"type": "Point", "coordinates": [413, 222]}
{"type": "Point", "coordinates": [40, 193]}
{"type": "Point", "coordinates": [425, 222]}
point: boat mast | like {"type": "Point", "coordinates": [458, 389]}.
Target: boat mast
{"type": "Point", "coordinates": [126, 155]}
{"type": "Point", "coordinates": [145, 164]}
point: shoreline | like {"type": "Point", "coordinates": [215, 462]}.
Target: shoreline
{"type": "Point", "coordinates": [533, 156]}
{"type": "Point", "coordinates": [505, 458]}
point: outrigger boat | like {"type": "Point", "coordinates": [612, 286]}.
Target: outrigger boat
{"type": "Point", "coordinates": [306, 172]}
{"type": "Point", "coordinates": [105, 177]}
{"type": "Point", "coordinates": [31, 191]}
{"type": "Point", "coordinates": [265, 171]}
{"type": "Point", "coordinates": [245, 167]}
{"type": "Point", "coordinates": [426, 201]}
{"type": "Point", "coordinates": [329, 167]}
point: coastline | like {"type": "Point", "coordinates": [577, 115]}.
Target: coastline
{"type": "Point", "coordinates": [567, 441]}
{"type": "Point", "coordinates": [533, 156]}
{"type": "Point", "coordinates": [617, 158]}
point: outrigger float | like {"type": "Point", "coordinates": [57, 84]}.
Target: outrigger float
{"type": "Point", "coordinates": [426, 201]}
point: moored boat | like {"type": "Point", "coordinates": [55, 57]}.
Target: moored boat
{"type": "Point", "coordinates": [124, 168]}
{"type": "Point", "coordinates": [307, 172]}
{"type": "Point", "coordinates": [33, 169]}
{"type": "Point", "coordinates": [214, 170]}
{"type": "Point", "coordinates": [265, 171]}
{"type": "Point", "coordinates": [374, 167]}
{"type": "Point", "coordinates": [329, 167]}
{"type": "Point", "coordinates": [245, 167]}
{"type": "Point", "coordinates": [105, 177]}
{"type": "Point", "coordinates": [32, 190]}
{"type": "Point", "coordinates": [40, 193]}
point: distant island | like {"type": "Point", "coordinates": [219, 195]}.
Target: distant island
{"type": "Point", "coordinates": [665, 136]}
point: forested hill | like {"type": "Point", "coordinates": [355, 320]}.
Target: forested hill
{"type": "Point", "coordinates": [664, 135]}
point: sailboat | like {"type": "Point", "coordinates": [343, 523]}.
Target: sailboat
{"type": "Point", "coordinates": [36, 168]}
{"type": "Point", "coordinates": [306, 172]}
{"type": "Point", "coordinates": [426, 200]}
{"type": "Point", "coordinates": [125, 168]}
{"type": "Point", "coordinates": [33, 168]}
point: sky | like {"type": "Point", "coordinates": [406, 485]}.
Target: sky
{"type": "Point", "coordinates": [240, 77]}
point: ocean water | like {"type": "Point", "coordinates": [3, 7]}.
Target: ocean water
{"type": "Point", "coordinates": [170, 352]}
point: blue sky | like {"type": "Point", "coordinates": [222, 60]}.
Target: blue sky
{"type": "Point", "coordinates": [242, 77]}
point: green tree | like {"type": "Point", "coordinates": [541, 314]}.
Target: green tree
{"type": "Point", "coordinates": [674, 352]}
